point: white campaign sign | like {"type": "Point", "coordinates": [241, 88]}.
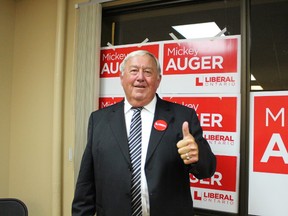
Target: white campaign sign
{"type": "Point", "coordinates": [268, 168]}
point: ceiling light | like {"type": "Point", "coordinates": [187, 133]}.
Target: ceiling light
{"type": "Point", "coordinates": [199, 30]}
{"type": "Point", "coordinates": [256, 87]}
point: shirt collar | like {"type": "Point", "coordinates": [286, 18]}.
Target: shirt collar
{"type": "Point", "coordinates": [149, 107]}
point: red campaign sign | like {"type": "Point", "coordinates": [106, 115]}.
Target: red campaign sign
{"type": "Point", "coordinates": [108, 101]}
{"type": "Point", "coordinates": [270, 134]}
{"type": "Point", "coordinates": [110, 59]}
{"type": "Point", "coordinates": [214, 113]}
{"type": "Point", "coordinates": [224, 177]}
{"type": "Point", "coordinates": [200, 56]}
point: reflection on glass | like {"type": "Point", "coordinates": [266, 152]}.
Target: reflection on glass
{"type": "Point", "coordinates": [198, 30]}
{"type": "Point", "coordinates": [269, 47]}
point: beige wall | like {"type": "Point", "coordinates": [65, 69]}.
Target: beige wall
{"type": "Point", "coordinates": [7, 20]}
{"type": "Point", "coordinates": [27, 72]}
{"type": "Point", "coordinates": [32, 105]}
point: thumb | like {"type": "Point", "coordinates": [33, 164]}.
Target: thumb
{"type": "Point", "coordinates": [185, 130]}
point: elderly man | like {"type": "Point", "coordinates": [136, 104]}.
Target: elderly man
{"type": "Point", "coordinates": [140, 151]}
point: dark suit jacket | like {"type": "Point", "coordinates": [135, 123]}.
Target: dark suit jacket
{"type": "Point", "coordinates": [103, 185]}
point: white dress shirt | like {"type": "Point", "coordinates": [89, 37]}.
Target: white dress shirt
{"type": "Point", "coordinates": [147, 116]}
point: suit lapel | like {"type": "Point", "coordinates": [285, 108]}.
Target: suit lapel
{"type": "Point", "coordinates": [162, 112]}
{"type": "Point", "coordinates": [118, 127]}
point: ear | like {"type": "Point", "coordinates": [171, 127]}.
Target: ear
{"type": "Point", "coordinates": [121, 78]}
{"type": "Point", "coordinates": [159, 80]}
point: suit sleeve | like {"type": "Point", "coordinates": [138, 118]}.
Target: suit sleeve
{"type": "Point", "coordinates": [84, 197]}
{"type": "Point", "coordinates": [206, 165]}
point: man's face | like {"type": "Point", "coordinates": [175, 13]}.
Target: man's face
{"type": "Point", "coordinates": [140, 80]}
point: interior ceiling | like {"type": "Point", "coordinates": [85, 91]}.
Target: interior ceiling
{"type": "Point", "coordinates": [269, 47]}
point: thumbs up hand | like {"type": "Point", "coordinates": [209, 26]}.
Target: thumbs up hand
{"type": "Point", "coordinates": [187, 147]}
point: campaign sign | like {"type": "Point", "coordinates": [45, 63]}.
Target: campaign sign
{"type": "Point", "coordinates": [270, 134]}
{"type": "Point", "coordinates": [200, 56]}
{"type": "Point", "coordinates": [219, 119]}
{"type": "Point", "coordinates": [199, 66]}
{"type": "Point", "coordinates": [268, 161]}
{"type": "Point", "coordinates": [108, 101]}
{"type": "Point", "coordinates": [214, 113]}
{"type": "Point", "coordinates": [210, 64]}
{"type": "Point", "coordinates": [220, 192]}
{"type": "Point", "coordinates": [111, 58]}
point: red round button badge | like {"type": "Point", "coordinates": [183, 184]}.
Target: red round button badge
{"type": "Point", "coordinates": [160, 125]}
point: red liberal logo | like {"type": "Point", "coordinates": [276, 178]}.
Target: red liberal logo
{"type": "Point", "coordinates": [197, 196]}
{"type": "Point", "coordinates": [198, 83]}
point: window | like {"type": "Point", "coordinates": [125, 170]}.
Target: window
{"type": "Point", "coordinates": [269, 46]}
{"type": "Point", "coordinates": [133, 24]}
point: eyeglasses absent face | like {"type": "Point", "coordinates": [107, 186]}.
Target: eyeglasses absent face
{"type": "Point", "coordinates": [140, 79]}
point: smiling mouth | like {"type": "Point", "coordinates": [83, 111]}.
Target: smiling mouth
{"type": "Point", "coordinates": [139, 86]}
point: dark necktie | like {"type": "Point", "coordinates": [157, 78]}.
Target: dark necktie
{"type": "Point", "coordinates": [135, 141]}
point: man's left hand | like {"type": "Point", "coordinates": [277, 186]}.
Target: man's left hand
{"type": "Point", "coordinates": [187, 147]}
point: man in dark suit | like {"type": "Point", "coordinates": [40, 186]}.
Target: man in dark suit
{"type": "Point", "coordinates": [172, 147]}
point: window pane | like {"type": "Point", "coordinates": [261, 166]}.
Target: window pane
{"type": "Point", "coordinates": [269, 45]}
{"type": "Point", "coordinates": [156, 24]}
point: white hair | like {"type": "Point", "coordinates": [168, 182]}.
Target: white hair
{"type": "Point", "coordinates": [139, 53]}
